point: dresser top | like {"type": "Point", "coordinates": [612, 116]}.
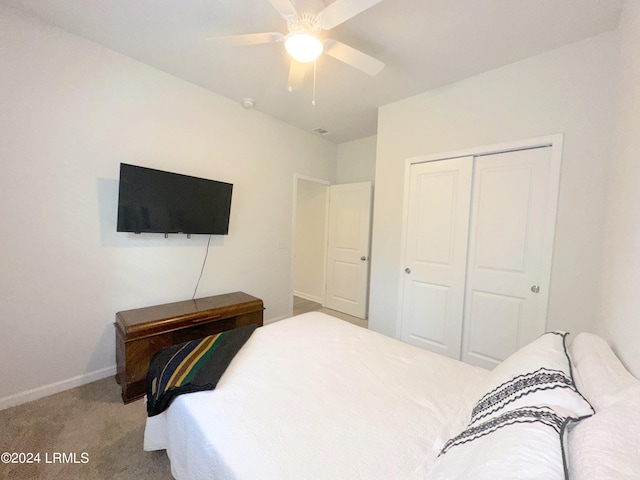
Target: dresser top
{"type": "Point", "coordinates": [142, 318]}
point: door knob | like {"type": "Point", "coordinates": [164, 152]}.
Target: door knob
{"type": "Point", "coordinates": [407, 270]}
{"type": "Point", "coordinates": [363, 258]}
{"type": "Point", "coordinates": [535, 288]}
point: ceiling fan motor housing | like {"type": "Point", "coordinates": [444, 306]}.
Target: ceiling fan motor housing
{"type": "Point", "coordinates": [303, 23]}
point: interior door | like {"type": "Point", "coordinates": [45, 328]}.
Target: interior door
{"type": "Point", "coordinates": [435, 254]}
{"type": "Point", "coordinates": [348, 248]}
{"type": "Point", "coordinates": [509, 254]}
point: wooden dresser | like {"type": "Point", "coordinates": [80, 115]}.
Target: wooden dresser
{"type": "Point", "coordinates": [142, 332]}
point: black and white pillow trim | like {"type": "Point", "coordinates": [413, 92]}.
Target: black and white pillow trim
{"type": "Point", "coordinates": [488, 415]}
{"type": "Point", "coordinates": [517, 387]}
{"type": "Point", "coordinates": [543, 415]}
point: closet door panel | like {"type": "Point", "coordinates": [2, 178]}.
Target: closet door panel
{"type": "Point", "coordinates": [496, 336]}
{"type": "Point", "coordinates": [435, 255]}
{"type": "Point", "coordinates": [502, 215]}
{"type": "Point", "coordinates": [427, 319]}
{"type": "Point", "coordinates": [506, 252]}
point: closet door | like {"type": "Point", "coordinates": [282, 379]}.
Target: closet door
{"type": "Point", "coordinates": [511, 228]}
{"type": "Point", "coordinates": [435, 254]}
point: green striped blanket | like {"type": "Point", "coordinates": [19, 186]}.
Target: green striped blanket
{"type": "Point", "coordinates": [191, 366]}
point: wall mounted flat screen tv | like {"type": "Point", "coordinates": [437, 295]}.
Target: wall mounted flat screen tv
{"type": "Point", "coordinates": [154, 201]}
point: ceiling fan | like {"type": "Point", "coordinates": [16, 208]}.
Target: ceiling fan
{"type": "Point", "coordinates": [304, 43]}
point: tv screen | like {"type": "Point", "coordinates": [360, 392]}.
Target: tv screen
{"type": "Point", "coordinates": [154, 201]}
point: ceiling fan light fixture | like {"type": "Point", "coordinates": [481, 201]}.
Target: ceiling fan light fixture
{"type": "Point", "coordinates": [303, 46]}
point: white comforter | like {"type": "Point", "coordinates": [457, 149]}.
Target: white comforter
{"type": "Point", "coordinates": [314, 397]}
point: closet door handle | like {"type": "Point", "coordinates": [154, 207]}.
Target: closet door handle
{"type": "Point", "coordinates": [407, 270]}
{"type": "Point", "coordinates": [535, 288]}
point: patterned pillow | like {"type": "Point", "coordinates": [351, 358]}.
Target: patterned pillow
{"type": "Point", "coordinates": [516, 428]}
{"type": "Point", "coordinates": [523, 415]}
{"type": "Point", "coordinates": [540, 373]}
{"type": "Point", "coordinates": [520, 444]}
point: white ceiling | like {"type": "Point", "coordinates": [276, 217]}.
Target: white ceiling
{"type": "Point", "coordinates": [424, 44]}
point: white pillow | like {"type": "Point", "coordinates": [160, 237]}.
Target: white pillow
{"type": "Point", "coordinates": [605, 446]}
{"type": "Point", "coordinates": [599, 374]}
{"type": "Point", "coordinates": [516, 428]}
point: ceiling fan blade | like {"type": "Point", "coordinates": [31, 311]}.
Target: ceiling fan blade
{"type": "Point", "coordinates": [250, 38]}
{"type": "Point", "coordinates": [353, 57]}
{"type": "Point", "coordinates": [296, 75]}
{"type": "Point", "coordinates": [341, 11]}
{"type": "Point", "coordinates": [284, 8]}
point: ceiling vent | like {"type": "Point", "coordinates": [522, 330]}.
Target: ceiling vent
{"type": "Point", "coordinates": [320, 131]}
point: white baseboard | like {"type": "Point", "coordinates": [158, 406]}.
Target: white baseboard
{"type": "Point", "coordinates": [277, 319]}
{"type": "Point", "coordinates": [310, 297]}
{"type": "Point", "coordinates": [57, 387]}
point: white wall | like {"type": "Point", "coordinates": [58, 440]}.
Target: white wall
{"type": "Point", "coordinates": [570, 91]}
{"type": "Point", "coordinates": [310, 240]}
{"type": "Point", "coordinates": [357, 161]}
{"type": "Point", "coordinates": [71, 112]}
{"type": "Point", "coordinates": [619, 309]}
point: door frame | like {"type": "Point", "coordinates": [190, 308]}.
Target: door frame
{"type": "Point", "coordinates": [294, 211]}
{"type": "Point", "coordinates": [555, 141]}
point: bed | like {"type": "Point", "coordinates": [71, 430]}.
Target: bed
{"type": "Point", "coordinates": [314, 397]}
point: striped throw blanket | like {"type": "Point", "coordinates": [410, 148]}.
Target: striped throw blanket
{"type": "Point", "coordinates": [191, 366]}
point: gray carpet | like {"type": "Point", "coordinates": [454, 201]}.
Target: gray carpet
{"type": "Point", "coordinates": [89, 419]}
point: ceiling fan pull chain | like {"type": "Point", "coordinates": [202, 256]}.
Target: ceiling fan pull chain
{"type": "Point", "coordinates": [313, 100]}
